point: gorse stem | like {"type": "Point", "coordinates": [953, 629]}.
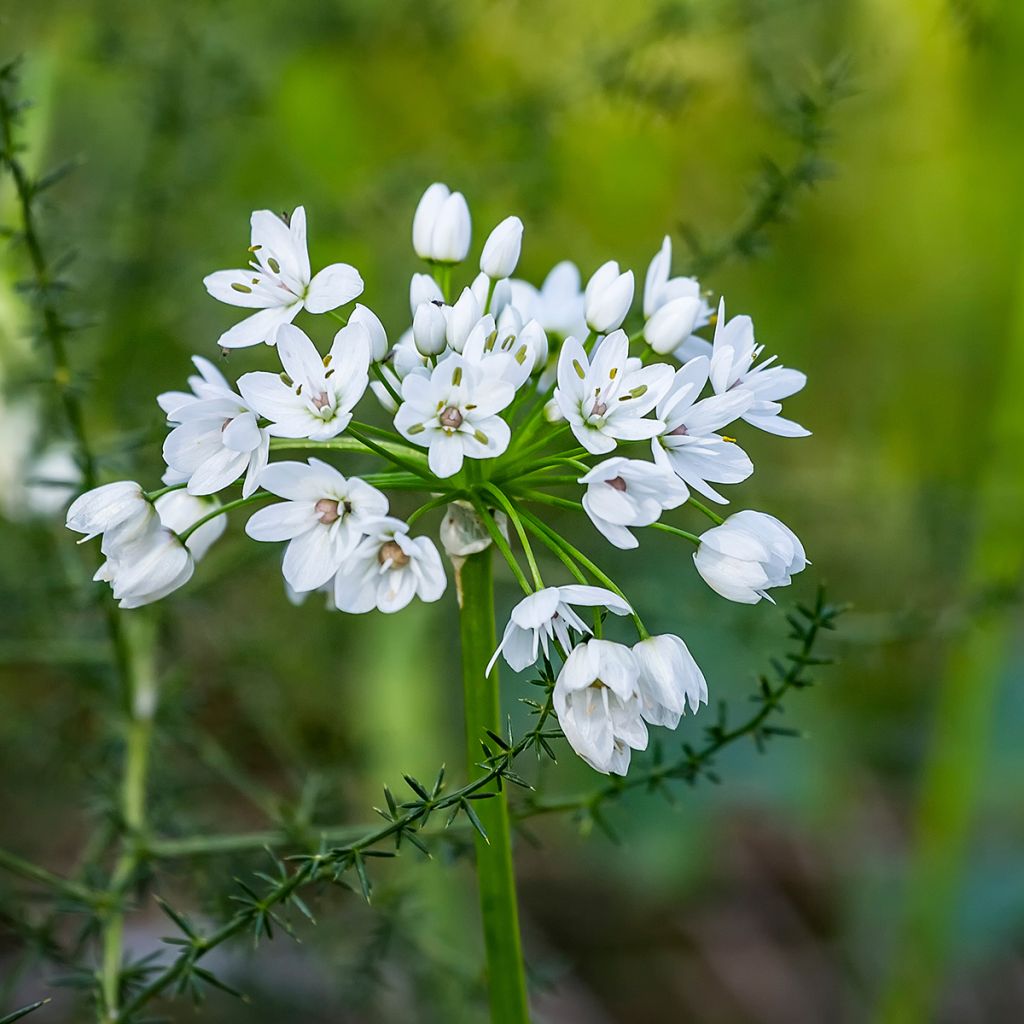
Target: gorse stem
{"type": "Point", "coordinates": [495, 877]}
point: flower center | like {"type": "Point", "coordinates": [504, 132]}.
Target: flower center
{"type": "Point", "coordinates": [679, 431]}
{"type": "Point", "coordinates": [451, 418]}
{"type": "Point", "coordinates": [321, 401]}
{"type": "Point", "coordinates": [327, 510]}
{"type": "Point", "coordinates": [599, 408]}
{"type": "Point", "coordinates": [617, 482]}
{"type": "Point", "coordinates": [391, 552]}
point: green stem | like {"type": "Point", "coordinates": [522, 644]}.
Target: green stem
{"type": "Point", "coordinates": [506, 976]}
{"type": "Point", "coordinates": [138, 630]}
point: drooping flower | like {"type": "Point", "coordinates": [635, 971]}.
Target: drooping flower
{"type": "Point", "coordinates": [605, 401]}
{"type": "Point", "coordinates": [454, 414]}
{"type": "Point", "coordinates": [732, 368]}
{"type": "Point", "coordinates": [215, 441]}
{"type": "Point", "coordinates": [387, 569]}
{"type": "Point", "coordinates": [547, 616]}
{"type": "Point", "coordinates": [147, 567]}
{"type": "Point", "coordinates": [748, 554]}
{"type": "Point", "coordinates": [669, 679]}
{"type": "Point", "coordinates": [501, 250]}
{"type": "Point", "coordinates": [179, 511]}
{"type": "Point", "coordinates": [315, 395]}
{"type": "Point", "coordinates": [278, 282]}
{"type": "Point", "coordinates": [322, 519]}
{"type": "Point", "coordinates": [607, 298]}
{"type": "Point", "coordinates": [689, 444]}
{"type": "Point", "coordinates": [374, 330]}
{"type": "Point", "coordinates": [598, 704]}
{"type": "Point", "coordinates": [441, 228]}
{"type": "Point", "coordinates": [118, 511]}
{"type": "Point", "coordinates": [627, 492]}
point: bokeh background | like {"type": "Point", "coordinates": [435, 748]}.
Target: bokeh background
{"type": "Point", "coordinates": [871, 871]}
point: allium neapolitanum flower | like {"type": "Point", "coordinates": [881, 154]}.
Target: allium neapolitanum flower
{"type": "Point", "coordinates": [509, 405]}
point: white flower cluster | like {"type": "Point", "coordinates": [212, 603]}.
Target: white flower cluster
{"type": "Point", "coordinates": [501, 396]}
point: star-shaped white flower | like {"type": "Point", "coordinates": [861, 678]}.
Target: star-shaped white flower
{"type": "Point", "coordinates": [732, 368]}
{"type": "Point", "coordinates": [689, 445]}
{"type": "Point", "coordinates": [322, 519]}
{"type": "Point", "coordinates": [548, 615]}
{"type": "Point", "coordinates": [605, 401]}
{"type": "Point", "coordinates": [315, 395]}
{"type": "Point", "coordinates": [454, 413]}
{"type": "Point", "coordinates": [278, 282]}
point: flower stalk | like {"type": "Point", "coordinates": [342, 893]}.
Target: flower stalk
{"type": "Point", "coordinates": [495, 875]}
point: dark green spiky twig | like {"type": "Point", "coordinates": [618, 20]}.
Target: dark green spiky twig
{"type": "Point", "coordinates": [23, 1012]}
{"type": "Point", "coordinates": [805, 117]}
{"type": "Point", "coordinates": [695, 763]}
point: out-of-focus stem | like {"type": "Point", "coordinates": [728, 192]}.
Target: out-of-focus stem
{"type": "Point", "coordinates": [138, 633]}
{"type": "Point", "coordinates": [963, 715]}
{"type": "Point", "coordinates": [495, 875]}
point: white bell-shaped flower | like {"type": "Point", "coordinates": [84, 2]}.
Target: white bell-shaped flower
{"type": "Point", "coordinates": [607, 298]}
{"type": "Point", "coordinates": [547, 616]}
{"type": "Point", "coordinates": [441, 228]}
{"type": "Point", "coordinates": [502, 248]}
{"type": "Point", "coordinates": [669, 680]}
{"type": "Point", "coordinates": [117, 511]}
{"type": "Point", "coordinates": [598, 704]}
{"type": "Point", "coordinates": [148, 567]}
{"type": "Point", "coordinates": [748, 554]}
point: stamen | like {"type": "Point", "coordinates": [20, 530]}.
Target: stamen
{"type": "Point", "coordinates": [327, 510]}
{"type": "Point", "coordinates": [731, 440]}
{"type": "Point", "coordinates": [391, 553]}
{"type": "Point", "coordinates": [416, 428]}
{"type": "Point", "coordinates": [457, 376]}
{"type": "Point", "coordinates": [243, 288]}
{"type": "Point", "coordinates": [579, 369]}
{"type": "Point", "coordinates": [274, 265]}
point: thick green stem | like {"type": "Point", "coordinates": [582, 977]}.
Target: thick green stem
{"type": "Point", "coordinates": [506, 977]}
{"type": "Point", "coordinates": [138, 632]}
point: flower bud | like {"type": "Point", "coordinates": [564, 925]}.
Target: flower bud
{"type": "Point", "coordinates": [502, 248]}
{"type": "Point", "coordinates": [501, 298]}
{"type": "Point", "coordinates": [608, 297]}
{"type": "Point", "coordinates": [553, 411]}
{"type": "Point", "coordinates": [423, 288]}
{"type": "Point", "coordinates": [441, 229]}
{"type": "Point", "coordinates": [428, 329]}
{"type": "Point", "coordinates": [533, 335]}
{"type": "Point", "coordinates": [509, 321]}
{"type": "Point", "coordinates": [669, 679]}
{"type": "Point", "coordinates": [374, 329]}
{"type": "Point", "coordinates": [672, 324]}
{"type": "Point", "coordinates": [462, 318]}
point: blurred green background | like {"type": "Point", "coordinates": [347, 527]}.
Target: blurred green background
{"type": "Point", "coordinates": [872, 871]}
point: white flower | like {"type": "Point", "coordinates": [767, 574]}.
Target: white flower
{"type": "Point", "coordinates": [423, 288]}
{"type": "Point", "coordinates": [548, 615]}
{"type": "Point", "coordinates": [388, 569]}
{"type": "Point", "coordinates": [660, 288]}
{"type": "Point", "coordinates": [179, 510]}
{"type": "Point", "coordinates": [119, 511]}
{"type": "Point", "coordinates": [315, 395]}
{"type": "Point", "coordinates": [604, 401]}
{"type": "Point", "coordinates": [671, 324]}
{"type": "Point", "coordinates": [501, 250]}
{"type": "Point", "coordinates": [597, 700]}
{"type": "Point", "coordinates": [322, 519]}
{"type": "Point", "coordinates": [607, 298]}
{"type": "Point", "coordinates": [558, 305]}
{"type": "Point", "coordinates": [669, 679]}
{"type": "Point", "coordinates": [147, 567]}
{"type": "Point", "coordinates": [747, 554]}
{"type": "Point", "coordinates": [278, 282]}
{"type": "Point", "coordinates": [734, 352]}
{"type": "Point", "coordinates": [627, 492]}
{"type": "Point", "coordinates": [454, 413]}
{"type": "Point", "coordinates": [441, 228]}
{"type": "Point", "coordinates": [428, 329]}
{"type": "Point", "coordinates": [215, 441]}
{"type": "Point", "coordinates": [509, 354]}
{"type": "Point", "coordinates": [374, 329]}
{"type": "Point", "coordinates": [689, 445]}
{"type": "Point", "coordinates": [461, 318]}
{"type": "Point", "coordinates": [208, 383]}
